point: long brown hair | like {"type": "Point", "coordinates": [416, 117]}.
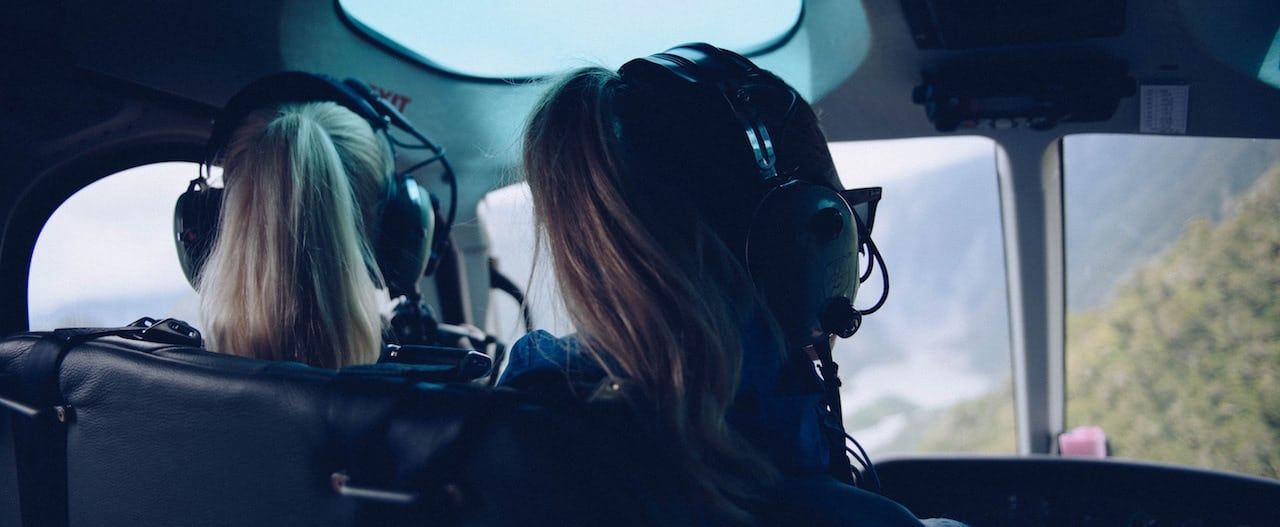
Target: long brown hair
{"type": "Point", "coordinates": [647, 261]}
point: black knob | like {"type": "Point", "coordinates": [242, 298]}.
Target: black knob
{"type": "Point", "coordinates": [827, 224]}
{"type": "Point", "coordinates": [840, 318]}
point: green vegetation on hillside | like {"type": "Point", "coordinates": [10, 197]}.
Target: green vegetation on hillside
{"type": "Point", "coordinates": [982, 425]}
{"type": "Point", "coordinates": [1182, 364]}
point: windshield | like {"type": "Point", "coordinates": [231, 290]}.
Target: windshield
{"type": "Point", "coordinates": [1173, 298]}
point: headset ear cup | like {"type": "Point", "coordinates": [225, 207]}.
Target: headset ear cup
{"type": "Point", "coordinates": [439, 239]}
{"type": "Point", "coordinates": [195, 227]}
{"type": "Point", "coordinates": [802, 253]}
{"type": "Point", "coordinates": [406, 231]}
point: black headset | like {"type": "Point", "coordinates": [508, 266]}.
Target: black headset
{"type": "Point", "coordinates": [406, 243]}
{"type": "Point", "coordinates": [804, 238]}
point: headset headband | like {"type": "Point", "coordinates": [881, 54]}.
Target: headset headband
{"type": "Point", "coordinates": [731, 74]}
{"type": "Point", "coordinates": [281, 88]}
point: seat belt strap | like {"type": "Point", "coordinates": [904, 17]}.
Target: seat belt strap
{"type": "Point", "coordinates": [40, 442]}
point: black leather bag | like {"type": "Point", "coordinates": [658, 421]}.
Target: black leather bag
{"type": "Point", "coordinates": [112, 427]}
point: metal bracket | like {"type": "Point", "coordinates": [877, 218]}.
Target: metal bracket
{"type": "Point", "coordinates": [342, 484]}
{"type": "Point", "coordinates": [61, 413]}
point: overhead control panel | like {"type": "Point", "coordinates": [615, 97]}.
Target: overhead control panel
{"type": "Point", "coordinates": [1033, 93]}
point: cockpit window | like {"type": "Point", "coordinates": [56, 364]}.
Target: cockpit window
{"type": "Point", "coordinates": [507, 216]}
{"type": "Point", "coordinates": [1173, 297]}
{"type": "Point", "coordinates": [535, 39]}
{"type": "Point", "coordinates": [930, 372]}
{"type": "Point", "coordinates": [107, 257]}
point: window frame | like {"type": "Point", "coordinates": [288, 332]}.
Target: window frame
{"type": "Point", "coordinates": [45, 193]}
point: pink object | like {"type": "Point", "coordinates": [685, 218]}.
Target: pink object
{"type": "Point", "coordinates": [1083, 441]}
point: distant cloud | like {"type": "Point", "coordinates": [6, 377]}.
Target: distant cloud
{"type": "Point", "coordinates": [877, 163]}
{"type": "Point", "coordinates": [112, 239]}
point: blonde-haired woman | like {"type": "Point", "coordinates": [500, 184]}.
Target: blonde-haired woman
{"type": "Point", "coordinates": [290, 275]}
{"type": "Point", "coordinates": [642, 195]}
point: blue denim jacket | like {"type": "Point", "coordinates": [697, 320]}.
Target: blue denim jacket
{"type": "Point", "coordinates": [778, 406]}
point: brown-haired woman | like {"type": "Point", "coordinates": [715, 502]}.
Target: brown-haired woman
{"type": "Point", "coordinates": [643, 194]}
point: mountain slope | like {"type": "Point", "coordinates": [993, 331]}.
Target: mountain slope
{"type": "Point", "coordinates": [1182, 364]}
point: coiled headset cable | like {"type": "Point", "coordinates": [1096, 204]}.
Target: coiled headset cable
{"type": "Point", "coordinates": [865, 475]}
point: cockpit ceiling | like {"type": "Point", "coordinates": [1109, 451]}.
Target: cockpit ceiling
{"type": "Point", "coordinates": [859, 60]}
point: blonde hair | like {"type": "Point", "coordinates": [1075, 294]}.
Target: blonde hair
{"type": "Point", "coordinates": [290, 275]}
{"type": "Point", "coordinates": [652, 291]}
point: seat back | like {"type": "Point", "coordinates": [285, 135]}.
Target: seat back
{"type": "Point", "coordinates": [158, 434]}
{"type": "Point", "coordinates": [9, 514]}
